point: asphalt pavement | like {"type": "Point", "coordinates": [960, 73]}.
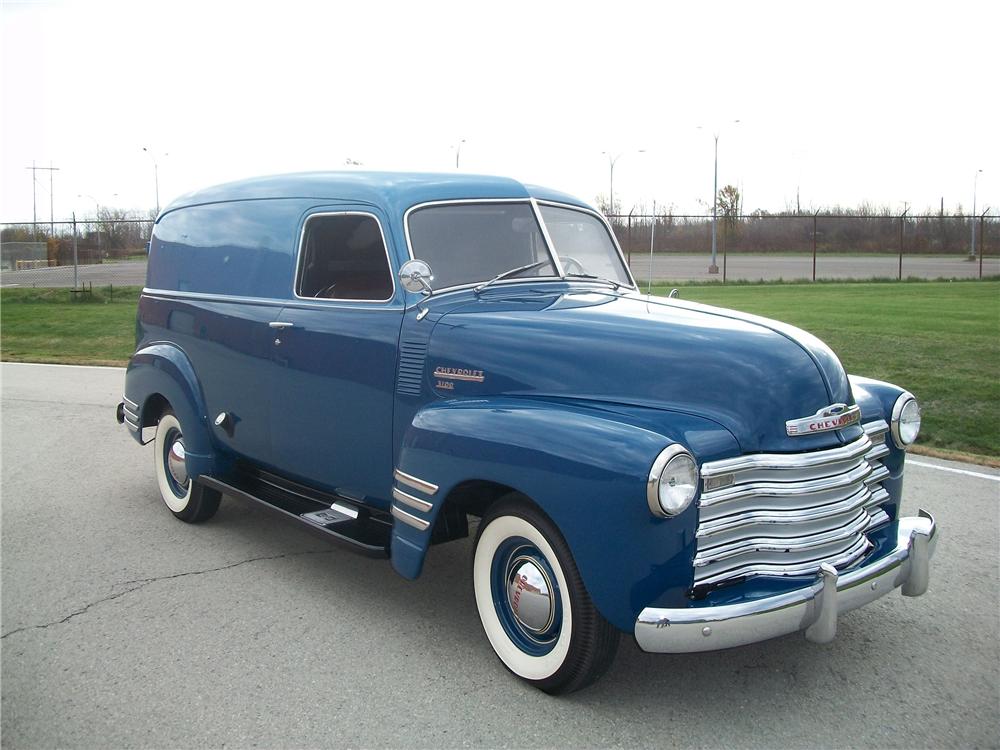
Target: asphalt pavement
{"type": "Point", "coordinates": [122, 627]}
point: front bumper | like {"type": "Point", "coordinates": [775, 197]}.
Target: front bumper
{"type": "Point", "coordinates": [813, 609]}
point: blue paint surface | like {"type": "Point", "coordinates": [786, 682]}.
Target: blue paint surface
{"type": "Point", "coordinates": [581, 386]}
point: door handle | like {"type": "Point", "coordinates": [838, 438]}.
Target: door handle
{"type": "Point", "coordinates": [280, 324]}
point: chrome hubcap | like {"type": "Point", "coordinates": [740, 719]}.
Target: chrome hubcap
{"type": "Point", "coordinates": [529, 595]}
{"type": "Point", "coordinates": [175, 463]}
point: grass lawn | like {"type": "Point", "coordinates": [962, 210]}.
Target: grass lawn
{"type": "Point", "coordinates": [939, 340]}
{"type": "Point", "coordinates": [48, 325]}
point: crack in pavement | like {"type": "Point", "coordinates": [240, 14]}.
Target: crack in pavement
{"type": "Point", "coordinates": [143, 582]}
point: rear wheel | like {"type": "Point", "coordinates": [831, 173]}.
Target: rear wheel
{"type": "Point", "coordinates": [532, 602]}
{"type": "Point", "coordinates": [187, 500]}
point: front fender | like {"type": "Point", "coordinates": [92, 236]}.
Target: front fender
{"type": "Point", "coordinates": [163, 369]}
{"type": "Point", "coordinates": [584, 467]}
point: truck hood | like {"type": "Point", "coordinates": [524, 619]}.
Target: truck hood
{"type": "Point", "coordinates": [746, 373]}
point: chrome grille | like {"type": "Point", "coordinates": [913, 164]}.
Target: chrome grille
{"type": "Point", "coordinates": [786, 514]}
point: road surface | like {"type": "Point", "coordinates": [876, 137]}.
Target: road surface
{"type": "Point", "coordinates": [123, 627]}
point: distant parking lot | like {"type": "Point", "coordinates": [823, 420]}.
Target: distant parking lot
{"type": "Point", "coordinates": [665, 266]}
{"type": "Point", "coordinates": [789, 267]}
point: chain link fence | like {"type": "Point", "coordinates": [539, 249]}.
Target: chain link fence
{"type": "Point", "coordinates": [812, 247]}
{"type": "Point", "coordinates": [74, 254]}
{"type": "Point", "coordinates": [815, 247]}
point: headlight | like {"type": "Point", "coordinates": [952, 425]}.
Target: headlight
{"type": "Point", "coordinates": [905, 420]}
{"type": "Point", "coordinates": [672, 483]}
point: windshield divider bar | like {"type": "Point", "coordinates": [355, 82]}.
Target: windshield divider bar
{"type": "Point", "coordinates": [548, 240]}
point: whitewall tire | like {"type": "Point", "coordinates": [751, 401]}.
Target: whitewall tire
{"type": "Point", "coordinates": [187, 499]}
{"type": "Point", "coordinates": [533, 605]}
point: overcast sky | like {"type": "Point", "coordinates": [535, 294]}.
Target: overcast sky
{"type": "Point", "coordinates": [891, 103]}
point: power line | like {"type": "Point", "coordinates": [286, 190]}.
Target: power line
{"type": "Point", "coordinates": [34, 204]}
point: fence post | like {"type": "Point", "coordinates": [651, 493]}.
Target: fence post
{"type": "Point", "coordinates": [982, 234]}
{"type": "Point", "coordinates": [652, 237]}
{"type": "Point", "coordinates": [628, 240]}
{"type": "Point", "coordinates": [814, 245]}
{"type": "Point", "coordinates": [75, 263]}
{"type": "Point", "coordinates": [725, 249]}
{"type": "Point", "coordinates": [901, 218]}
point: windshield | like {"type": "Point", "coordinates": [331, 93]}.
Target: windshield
{"type": "Point", "coordinates": [583, 244]}
{"type": "Point", "coordinates": [472, 243]}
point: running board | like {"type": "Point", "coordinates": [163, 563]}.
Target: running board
{"type": "Point", "coordinates": [340, 522]}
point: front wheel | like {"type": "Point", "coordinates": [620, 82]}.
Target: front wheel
{"type": "Point", "coordinates": [532, 602]}
{"type": "Point", "coordinates": [187, 500]}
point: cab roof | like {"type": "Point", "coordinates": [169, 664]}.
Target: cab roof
{"type": "Point", "coordinates": [394, 191]}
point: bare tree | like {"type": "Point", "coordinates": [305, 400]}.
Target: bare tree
{"type": "Point", "coordinates": [729, 203]}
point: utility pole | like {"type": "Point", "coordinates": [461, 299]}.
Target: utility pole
{"type": "Point", "coordinates": [34, 202]}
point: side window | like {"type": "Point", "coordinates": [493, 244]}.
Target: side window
{"type": "Point", "coordinates": [343, 256]}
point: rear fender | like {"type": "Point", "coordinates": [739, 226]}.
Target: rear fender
{"type": "Point", "coordinates": [163, 370]}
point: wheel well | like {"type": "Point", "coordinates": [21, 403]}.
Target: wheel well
{"type": "Point", "coordinates": [153, 410]}
{"type": "Point", "coordinates": [471, 498]}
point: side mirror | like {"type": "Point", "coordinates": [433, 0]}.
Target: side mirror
{"type": "Point", "coordinates": [416, 276]}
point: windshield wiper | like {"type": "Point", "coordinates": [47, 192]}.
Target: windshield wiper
{"type": "Point", "coordinates": [613, 283]}
{"type": "Point", "coordinates": [508, 274]}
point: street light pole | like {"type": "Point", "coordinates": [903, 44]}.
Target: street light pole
{"type": "Point", "coordinates": [156, 177]}
{"type": "Point", "coordinates": [611, 181]}
{"type": "Point", "coordinates": [972, 247]}
{"type": "Point", "coordinates": [714, 266]}
{"type": "Point", "coordinates": [458, 152]}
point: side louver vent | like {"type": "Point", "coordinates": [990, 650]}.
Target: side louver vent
{"type": "Point", "coordinates": [411, 367]}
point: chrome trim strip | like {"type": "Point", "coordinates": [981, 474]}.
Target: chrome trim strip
{"type": "Point", "coordinates": [845, 557]}
{"type": "Point", "coordinates": [298, 258]}
{"type": "Point", "coordinates": [692, 629]}
{"type": "Point", "coordinates": [791, 489]}
{"type": "Point", "coordinates": [879, 451]}
{"type": "Point", "coordinates": [211, 297]}
{"type": "Point", "coordinates": [878, 518]}
{"type": "Point", "coordinates": [803, 543]}
{"type": "Point", "coordinates": [781, 461]}
{"type": "Point", "coordinates": [410, 519]}
{"type": "Point", "coordinates": [130, 402]}
{"type": "Point", "coordinates": [879, 496]}
{"type": "Point", "coordinates": [714, 527]}
{"type": "Point", "coordinates": [413, 502]}
{"type": "Point", "coordinates": [414, 483]}
{"type": "Point", "coordinates": [878, 474]}
{"type": "Point", "coordinates": [879, 425]}
{"type": "Point", "coordinates": [134, 426]}
{"type": "Point", "coordinates": [549, 244]}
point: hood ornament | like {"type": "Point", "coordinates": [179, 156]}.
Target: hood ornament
{"type": "Point", "coordinates": [833, 417]}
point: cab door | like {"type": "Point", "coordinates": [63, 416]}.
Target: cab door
{"type": "Point", "coordinates": [334, 349]}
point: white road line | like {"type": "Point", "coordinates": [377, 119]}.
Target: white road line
{"type": "Point", "coordinates": [50, 364]}
{"type": "Point", "coordinates": [994, 477]}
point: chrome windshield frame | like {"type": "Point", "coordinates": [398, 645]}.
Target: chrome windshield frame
{"type": "Point", "coordinates": [535, 204]}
